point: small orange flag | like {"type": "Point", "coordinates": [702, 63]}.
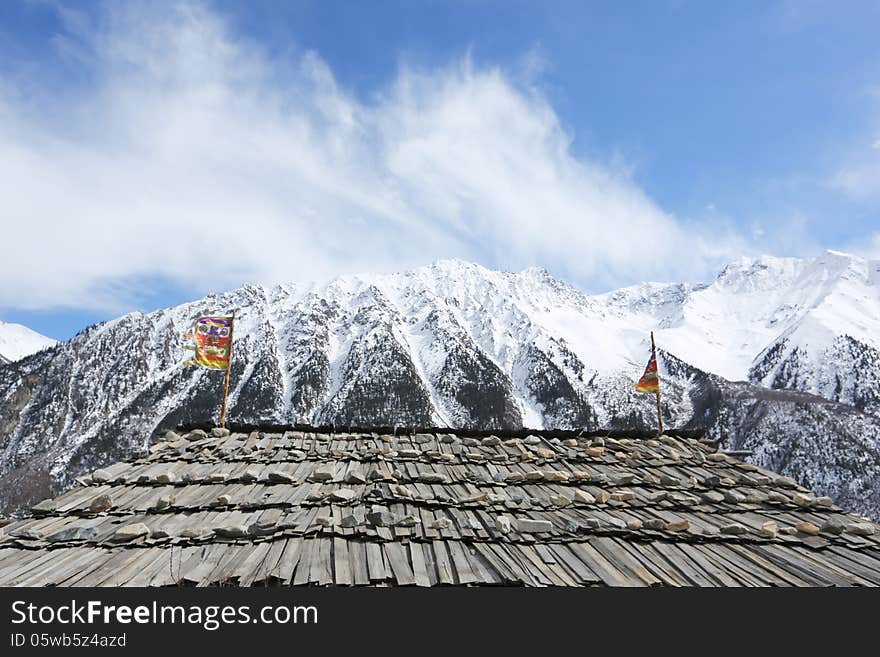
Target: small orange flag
{"type": "Point", "coordinates": [650, 382]}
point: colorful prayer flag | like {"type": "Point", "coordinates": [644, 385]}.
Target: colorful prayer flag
{"type": "Point", "coordinates": [213, 342]}
{"type": "Point", "coordinates": [649, 382]}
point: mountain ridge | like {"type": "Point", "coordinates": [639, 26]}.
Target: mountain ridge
{"type": "Point", "coordinates": [18, 341]}
{"type": "Point", "coordinates": [456, 344]}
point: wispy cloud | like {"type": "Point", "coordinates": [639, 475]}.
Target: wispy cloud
{"type": "Point", "coordinates": [859, 178]}
{"type": "Point", "coordinates": [868, 248]}
{"type": "Point", "coordinates": [189, 153]}
{"type": "Point", "coordinates": [857, 175]}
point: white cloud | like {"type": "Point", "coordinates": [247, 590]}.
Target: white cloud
{"type": "Point", "coordinates": [195, 156]}
{"type": "Point", "coordinates": [860, 179]}
{"type": "Point", "coordinates": [868, 248]}
{"type": "Point", "coordinates": [858, 173]}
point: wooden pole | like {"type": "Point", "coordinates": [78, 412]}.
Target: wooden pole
{"type": "Point", "coordinates": [228, 368]}
{"type": "Point", "coordinates": [654, 355]}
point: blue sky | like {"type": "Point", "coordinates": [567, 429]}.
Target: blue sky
{"type": "Point", "coordinates": [155, 152]}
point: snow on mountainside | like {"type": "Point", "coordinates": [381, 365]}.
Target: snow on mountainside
{"type": "Point", "coordinates": [804, 324]}
{"type": "Point", "coordinates": [17, 341]}
{"type": "Point", "coordinates": [725, 326]}
{"type": "Point", "coordinates": [456, 344]}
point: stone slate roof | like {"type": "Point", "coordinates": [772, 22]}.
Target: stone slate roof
{"type": "Point", "coordinates": [304, 506]}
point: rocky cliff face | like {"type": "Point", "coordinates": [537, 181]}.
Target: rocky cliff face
{"type": "Point", "coordinates": [454, 344]}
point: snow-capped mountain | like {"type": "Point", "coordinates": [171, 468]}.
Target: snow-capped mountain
{"type": "Point", "coordinates": [802, 324]}
{"type": "Point", "coordinates": [17, 341]}
{"type": "Point", "coordinates": [456, 344]}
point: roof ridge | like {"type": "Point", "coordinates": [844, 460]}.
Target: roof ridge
{"type": "Point", "coordinates": [247, 427]}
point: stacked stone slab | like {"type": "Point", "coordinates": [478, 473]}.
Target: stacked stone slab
{"type": "Point", "coordinates": [309, 507]}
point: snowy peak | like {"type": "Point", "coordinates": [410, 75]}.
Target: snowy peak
{"type": "Point", "coordinates": [725, 327]}
{"type": "Point", "coordinates": [779, 273]}
{"type": "Point", "coordinates": [17, 341]}
{"type": "Point", "coordinates": [728, 326]}
{"type": "Point", "coordinates": [759, 274]}
{"type": "Point", "coordinates": [456, 344]}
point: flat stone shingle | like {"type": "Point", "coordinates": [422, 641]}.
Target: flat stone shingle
{"type": "Point", "coordinates": [473, 508]}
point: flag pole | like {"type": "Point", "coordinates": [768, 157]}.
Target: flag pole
{"type": "Point", "coordinates": [228, 368]}
{"type": "Point", "coordinates": [654, 356]}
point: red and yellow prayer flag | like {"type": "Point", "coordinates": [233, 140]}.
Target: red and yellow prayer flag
{"type": "Point", "coordinates": [650, 381]}
{"type": "Point", "coordinates": [213, 342]}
